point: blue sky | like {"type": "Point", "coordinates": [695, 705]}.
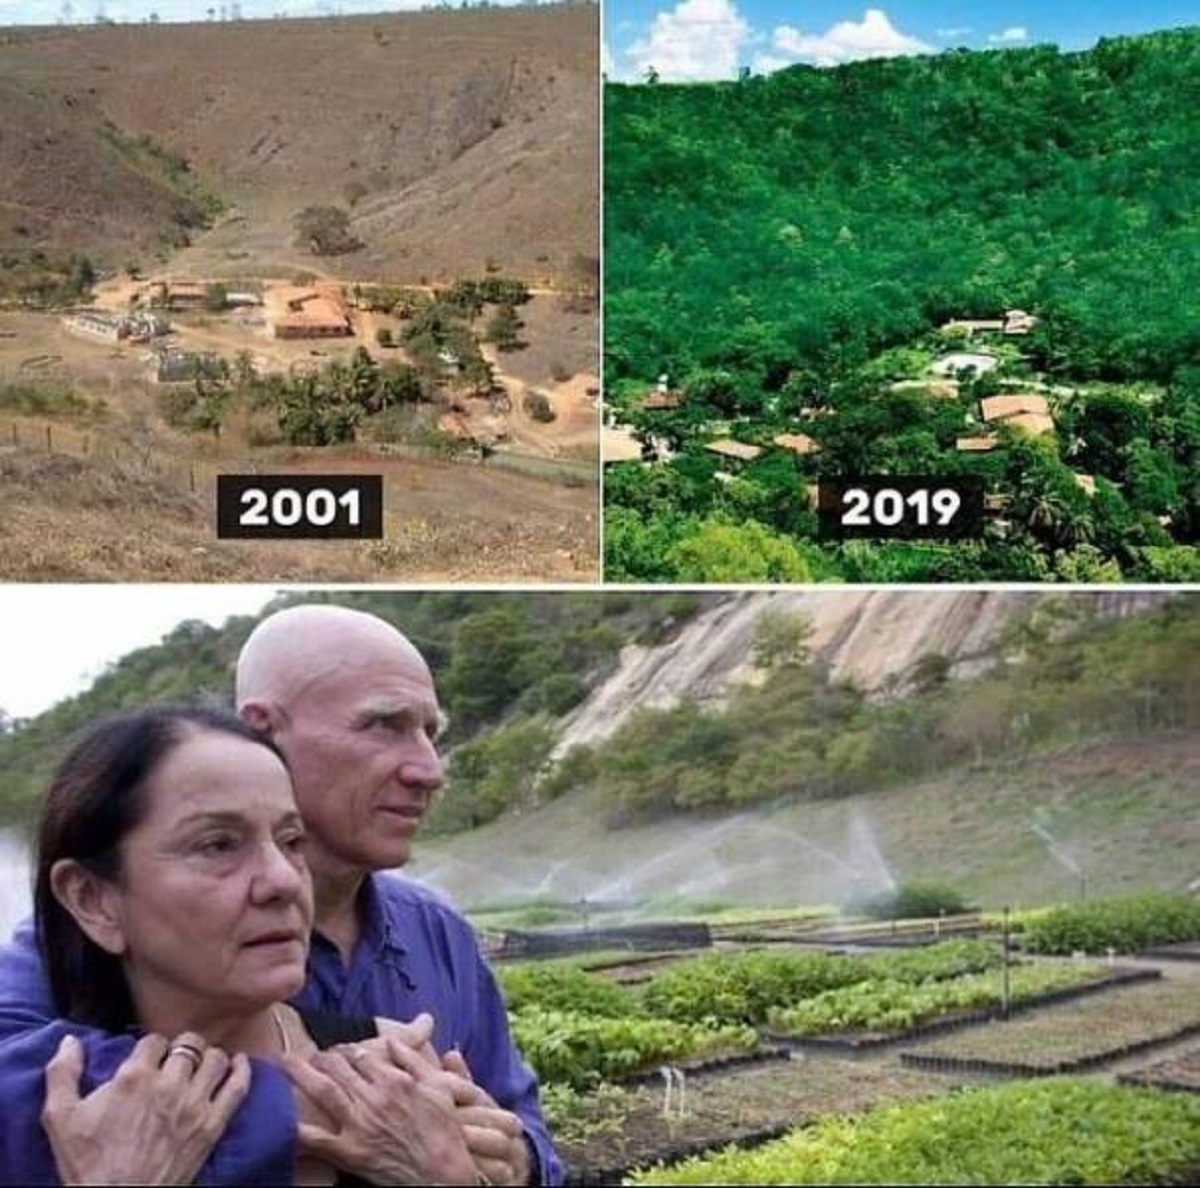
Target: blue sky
{"type": "Point", "coordinates": [691, 40]}
{"type": "Point", "coordinates": [52, 12]}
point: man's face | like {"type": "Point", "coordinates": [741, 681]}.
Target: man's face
{"type": "Point", "coordinates": [360, 745]}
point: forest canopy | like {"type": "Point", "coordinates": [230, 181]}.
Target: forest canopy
{"type": "Point", "coordinates": [796, 246]}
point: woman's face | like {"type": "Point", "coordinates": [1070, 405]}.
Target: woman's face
{"type": "Point", "coordinates": [214, 903]}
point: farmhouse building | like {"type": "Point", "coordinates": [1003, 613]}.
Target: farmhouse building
{"type": "Point", "coordinates": [798, 443]}
{"type": "Point", "coordinates": [295, 312]}
{"type": "Point", "coordinates": [1017, 321]}
{"type": "Point", "coordinates": [618, 444]}
{"type": "Point", "coordinates": [971, 326]}
{"type": "Point", "coordinates": [1028, 412]}
{"type": "Point", "coordinates": [736, 451]}
{"type": "Point", "coordinates": [659, 400]}
{"type": "Point", "coordinates": [175, 294]}
{"type": "Point", "coordinates": [109, 327]}
{"type": "Point", "coordinates": [976, 445]}
{"type": "Point", "coordinates": [137, 327]}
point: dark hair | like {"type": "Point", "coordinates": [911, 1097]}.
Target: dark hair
{"type": "Point", "coordinates": [94, 801]}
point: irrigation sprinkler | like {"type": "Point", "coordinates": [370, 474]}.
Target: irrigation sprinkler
{"type": "Point", "coordinates": [1006, 984]}
{"type": "Point", "coordinates": [675, 1087]}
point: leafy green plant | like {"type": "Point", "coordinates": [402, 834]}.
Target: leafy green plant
{"type": "Point", "coordinates": [888, 1004]}
{"type": "Point", "coordinates": [914, 901]}
{"type": "Point", "coordinates": [563, 988]}
{"type": "Point", "coordinates": [1069, 1131]}
{"type": "Point", "coordinates": [747, 987]}
{"type": "Point", "coordinates": [581, 1049]}
{"type": "Point", "coordinates": [1126, 925]}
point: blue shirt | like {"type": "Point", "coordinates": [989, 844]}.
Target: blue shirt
{"type": "Point", "coordinates": [415, 954]}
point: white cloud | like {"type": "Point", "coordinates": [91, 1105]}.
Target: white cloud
{"type": "Point", "coordinates": [607, 65]}
{"type": "Point", "coordinates": [956, 31]}
{"type": "Point", "coordinates": [1010, 36]}
{"type": "Point", "coordinates": [697, 40]}
{"type": "Point", "coordinates": [873, 37]}
{"type": "Point", "coordinates": [768, 64]}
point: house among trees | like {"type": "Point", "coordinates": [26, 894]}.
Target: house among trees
{"type": "Point", "coordinates": [972, 326]}
{"type": "Point", "coordinates": [305, 312]}
{"type": "Point", "coordinates": [618, 444]}
{"type": "Point", "coordinates": [1017, 321]}
{"type": "Point", "coordinates": [1028, 412]}
{"type": "Point", "coordinates": [1014, 322]}
{"type": "Point", "coordinates": [798, 443]}
{"type": "Point", "coordinates": [735, 451]}
{"type": "Point", "coordinates": [660, 400]}
{"type": "Point", "coordinates": [976, 445]}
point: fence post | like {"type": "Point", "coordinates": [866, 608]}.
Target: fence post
{"type": "Point", "coordinates": [49, 440]}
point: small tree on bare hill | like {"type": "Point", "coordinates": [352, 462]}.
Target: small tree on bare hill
{"type": "Point", "coordinates": [325, 231]}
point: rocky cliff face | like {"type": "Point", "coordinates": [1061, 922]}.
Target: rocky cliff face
{"type": "Point", "coordinates": [873, 637]}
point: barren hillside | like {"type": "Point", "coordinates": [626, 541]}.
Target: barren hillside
{"type": "Point", "coordinates": [69, 180]}
{"type": "Point", "coordinates": [458, 138]}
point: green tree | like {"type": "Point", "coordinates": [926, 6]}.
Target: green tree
{"type": "Point", "coordinates": [503, 329]}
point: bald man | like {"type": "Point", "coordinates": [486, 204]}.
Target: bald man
{"type": "Point", "coordinates": [351, 704]}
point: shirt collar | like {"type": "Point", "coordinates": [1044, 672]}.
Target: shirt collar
{"type": "Point", "coordinates": [379, 935]}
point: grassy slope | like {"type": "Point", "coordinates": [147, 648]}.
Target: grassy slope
{"type": "Point", "coordinates": [1117, 807]}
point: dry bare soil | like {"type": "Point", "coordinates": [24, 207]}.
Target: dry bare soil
{"type": "Point", "coordinates": [463, 143]}
{"type": "Point", "coordinates": [461, 137]}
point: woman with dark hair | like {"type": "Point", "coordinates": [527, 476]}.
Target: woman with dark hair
{"type": "Point", "coordinates": [172, 895]}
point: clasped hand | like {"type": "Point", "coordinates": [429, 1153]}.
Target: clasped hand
{"type": "Point", "coordinates": [396, 1113]}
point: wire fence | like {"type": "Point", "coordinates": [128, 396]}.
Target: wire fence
{"type": "Point", "coordinates": [198, 476]}
{"type": "Point", "coordinates": [40, 435]}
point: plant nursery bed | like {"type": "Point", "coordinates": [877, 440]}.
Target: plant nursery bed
{"type": "Point", "coordinates": [1187, 951]}
{"type": "Point", "coordinates": [853, 1043]}
{"type": "Point", "coordinates": [722, 1062]}
{"type": "Point", "coordinates": [1070, 1036]}
{"type": "Point", "coordinates": [617, 1130]}
{"type": "Point", "coordinates": [1179, 1074]}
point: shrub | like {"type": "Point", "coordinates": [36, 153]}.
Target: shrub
{"type": "Point", "coordinates": [537, 405]}
{"type": "Point", "coordinates": [325, 231]}
{"type": "Point", "coordinates": [1126, 925]}
{"type": "Point", "coordinates": [912, 901]}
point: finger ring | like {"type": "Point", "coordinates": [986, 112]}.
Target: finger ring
{"type": "Point", "coordinates": [194, 1055]}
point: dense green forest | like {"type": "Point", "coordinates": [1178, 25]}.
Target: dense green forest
{"type": "Point", "coordinates": [523, 658]}
{"type": "Point", "coordinates": [791, 252]}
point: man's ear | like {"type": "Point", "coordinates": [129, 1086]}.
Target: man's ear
{"type": "Point", "coordinates": [93, 902]}
{"type": "Point", "coordinates": [264, 716]}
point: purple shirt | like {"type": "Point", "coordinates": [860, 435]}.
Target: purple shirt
{"type": "Point", "coordinates": [415, 954]}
